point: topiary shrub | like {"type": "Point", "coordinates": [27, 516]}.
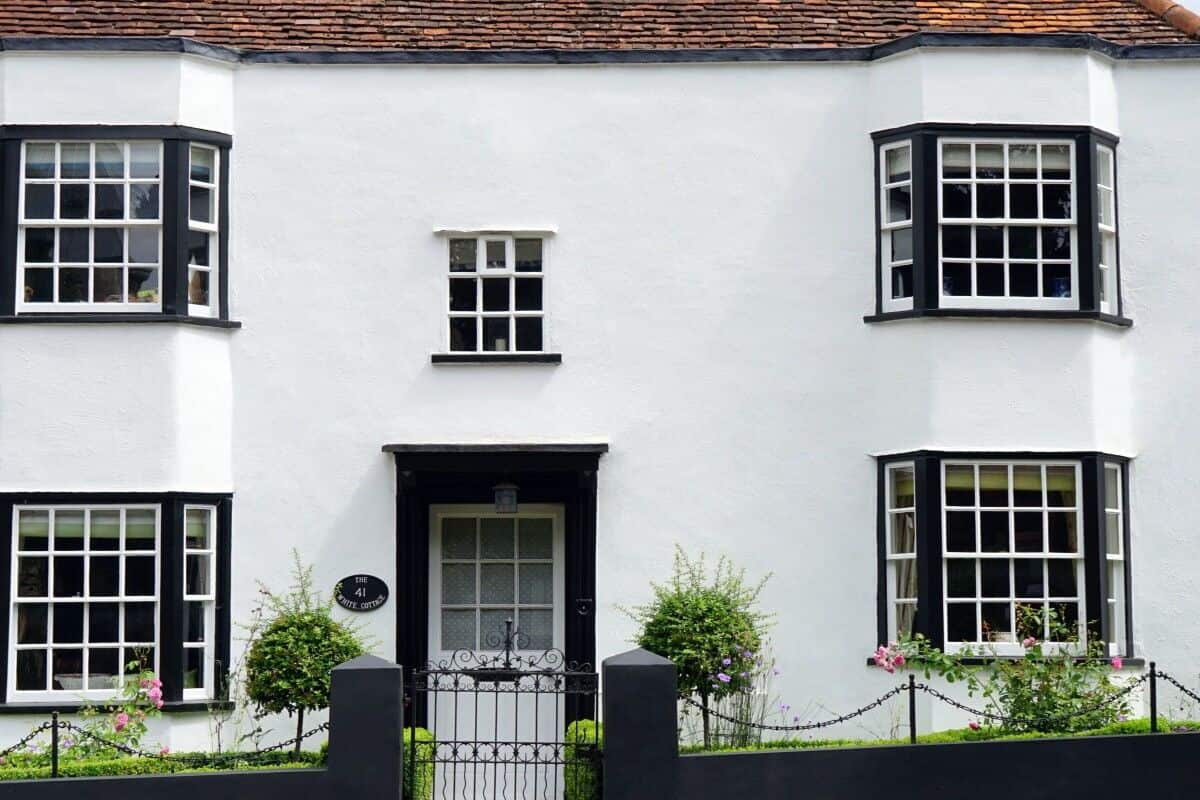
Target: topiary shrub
{"type": "Point", "coordinates": [418, 780]}
{"type": "Point", "coordinates": [292, 655]}
{"type": "Point", "coordinates": [709, 625]}
{"type": "Point", "coordinates": [581, 775]}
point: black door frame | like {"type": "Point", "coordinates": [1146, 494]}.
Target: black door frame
{"type": "Point", "coordinates": [435, 474]}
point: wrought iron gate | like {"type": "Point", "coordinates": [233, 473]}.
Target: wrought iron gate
{"type": "Point", "coordinates": [506, 726]}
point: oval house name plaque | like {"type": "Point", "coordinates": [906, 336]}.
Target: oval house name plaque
{"type": "Point", "coordinates": [361, 593]}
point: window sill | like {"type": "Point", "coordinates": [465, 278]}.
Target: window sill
{"type": "Point", "coordinates": [1002, 313]}
{"type": "Point", "coordinates": [1138, 662]}
{"type": "Point", "coordinates": [74, 706]}
{"type": "Point", "coordinates": [88, 319]}
{"type": "Point", "coordinates": [497, 358]}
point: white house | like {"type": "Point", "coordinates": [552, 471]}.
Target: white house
{"type": "Point", "coordinates": [894, 300]}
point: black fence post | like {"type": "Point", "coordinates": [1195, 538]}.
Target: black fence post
{"type": "Point", "coordinates": [641, 739]}
{"type": "Point", "coordinates": [912, 708]}
{"type": "Point", "coordinates": [1153, 697]}
{"type": "Point", "coordinates": [366, 729]}
{"type": "Point", "coordinates": [53, 744]}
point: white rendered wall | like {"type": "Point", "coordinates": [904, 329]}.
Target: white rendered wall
{"type": "Point", "coordinates": [713, 260]}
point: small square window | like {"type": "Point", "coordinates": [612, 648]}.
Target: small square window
{"type": "Point", "coordinates": [502, 310]}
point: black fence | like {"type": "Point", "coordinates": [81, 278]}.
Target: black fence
{"type": "Point", "coordinates": [642, 760]}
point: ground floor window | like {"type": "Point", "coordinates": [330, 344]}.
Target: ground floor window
{"type": "Point", "coordinates": [489, 568]}
{"type": "Point", "coordinates": [101, 587]}
{"type": "Point", "coordinates": [987, 550]}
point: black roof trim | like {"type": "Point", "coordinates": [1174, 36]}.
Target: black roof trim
{"type": "Point", "coordinates": [174, 44]}
{"type": "Point", "coordinates": [593, 447]}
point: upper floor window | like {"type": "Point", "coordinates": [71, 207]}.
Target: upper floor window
{"type": "Point", "coordinates": [975, 220]}
{"type": "Point", "coordinates": [495, 294]}
{"type": "Point", "coordinates": [114, 225]}
{"type": "Point", "coordinates": [986, 551]}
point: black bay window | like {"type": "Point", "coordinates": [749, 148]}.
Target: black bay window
{"type": "Point", "coordinates": [102, 586]}
{"type": "Point", "coordinates": [988, 549]}
{"type": "Point", "coordinates": [114, 223]}
{"type": "Point", "coordinates": [997, 221]}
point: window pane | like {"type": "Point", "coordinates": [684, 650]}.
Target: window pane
{"type": "Point", "coordinates": [68, 576]}
{"type": "Point", "coordinates": [103, 622]}
{"type": "Point", "coordinates": [74, 200]}
{"type": "Point", "coordinates": [1022, 161]}
{"type": "Point", "coordinates": [143, 285]}
{"type": "Point", "coordinates": [994, 577]}
{"type": "Point", "coordinates": [538, 627]}
{"type": "Point", "coordinates": [989, 241]}
{"type": "Point", "coordinates": [904, 533]}
{"type": "Point", "coordinates": [899, 204]}
{"type": "Point", "coordinates": [110, 160]}
{"type": "Point", "coordinates": [906, 579]}
{"type": "Point", "coordinates": [1060, 486]}
{"type": "Point", "coordinates": [1056, 201]}
{"type": "Point", "coordinates": [1056, 280]}
{"type": "Point", "coordinates": [1027, 485]}
{"type": "Point", "coordinates": [202, 160]}
{"type": "Point", "coordinates": [960, 485]}
{"type": "Point", "coordinates": [143, 200]}
{"type": "Point", "coordinates": [68, 623]}
{"type": "Point", "coordinates": [960, 531]}
{"type": "Point", "coordinates": [73, 245]}
{"type": "Point", "coordinates": [139, 622]}
{"type": "Point", "coordinates": [1023, 202]}
{"type": "Point", "coordinates": [39, 285]}
{"type": "Point", "coordinates": [495, 335]}
{"type": "Point", "coordinates": [139, 529]}
{"type": "Point", "coordinates": [458, 584]}
{"type": "Point", "coordinates": [899, 167]}
{"type": "Point", "coordinates": [1028, 532]}
{"type": "Point", "coordinates": [1023, 280]}
{"type": "Point", "coordinates": [492, 626]}
{"type": "Point", "coordinates": [1112, 533]}
{"type": "Point", "coordinates": [996, 622]}
{"type": "Point", "coordinates": [73, 285]}
{"type": "Point", "coordinates": [31, 670]}
{"type": "Point", "coordinates": [1027, 578]}
{"type": "Point", "coordinates": [529, 255]}
{"type": "Point", "coordinates": [956, 200]}
{"type": "Point", "coordinates": [32, 623]}
{"type": "Point", "coordinates": [39, 160]}
{"type": "Point", "coordinates": [1063, 537]}
{"type": "Point", "coordinates": [144, 160]}
{"type": "Point", "coordinates": [33, 575]}
{"type": "Point", "coordinates": [990, 280]}
{"type": "Point", "coordinates": [193, 622]}
{"type": "Point", "coordinates": [198, 522]}
{"type": "Point", "coordinates": [902, 285]}
{"type": "Point", "coordinates": [458, 538]}
{"type": "Point", "coordinates": [1062, 578]}
{"type": "Point", "coordinates": [39, 245]}
{"type": "Point", "coordinates": [104, 576]}
{"type": "Point", "coordinates": [496, 254]}
{"type": "Point", "coordinates": [143, 245]}
{"type": "Point", "coordinates": [193, 668]}
{"type": "Point", "coordinates": [993, 485]}
{"type": "Point", "coordinates": [110, 245]}
{"type": "Point", "coordinates": [956, 241]}
{"type": "Point", "coordinates": [529, 334]}
{"type": "Point", "coordinates": [960, 577]}
{"type": "Point", "coordinates": [960, 622]}
{"type": "Point", "coordinates": [956, 280]}
{"type": "Point", "coordinates": [462, 294]}
{"type": "Point", "coordinates": [33, 530]}
{"type": "Point", "coordinates": [529, 294]}
{"type": "Point", "coordinates": [68, 530]}
{"type": "Point", "coordinates": [75, 160]}
{"type": "Point", "coordinates": [989, 161]}
{"type": "Point", "coordinates": [198, 579]}
{"type": "Point", "coordinates": [104, 667]}
{"type": "Point", "coordinates": [462, 255]}
{"type": "Point", "coordinates": [39, 201]}
{"type": "Point", "coordinates": [1056, 162]}
{"type": "Point", "coordinates": [993, 531]}
{"type": "Point", "coordinates": [495, 295]}
{"type": "Point", "coordinates": [536, 583]}
{"type": "Point", "coordinates": [989, 200]}
{"type": "Point", "coordinates": [139, 577]}
{"type": "Point", "coordinates": [496, 583]}
{"type": "Point", "coordinates": [905, 616]}
{"type": "Point", "coordinates": [458, 630]}
{"type": "Point", "coordinates": [462, 334]}
{"type": "Point", "coordinates": [110, 201]}
{"type": "Point", "coordinates": [495, 537]}
{"type": "Point", "coordinates": [901, 240]}
{"type": "Point", "coordinates": [956, 160]}
{"type": "Point", "coordinates": [68, 669]}
{"type": "Point", "coordinates": [200, 204]}
{"type": "Point", "coordinates": [536, 538]}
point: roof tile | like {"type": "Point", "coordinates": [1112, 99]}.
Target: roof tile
{"type": "Point", "coordinates": [588, 24]}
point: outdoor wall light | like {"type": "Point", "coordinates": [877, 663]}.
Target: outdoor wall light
{"type": "Point", "coordinates": [506, 498]}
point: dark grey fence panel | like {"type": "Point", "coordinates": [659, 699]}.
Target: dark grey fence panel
{"type": "Point", "coordinates": [365, 757]}
{"type": "Point", "coordinates": [1102, 766]}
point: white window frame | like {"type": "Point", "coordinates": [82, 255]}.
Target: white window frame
{"type": "Point", "coordinates": [213, 229]}
{"type": "Point", "coordinates": [895, 559]}
{"type": "Point", "coordinates": [974, 300]}
{"type": "Point", "coordinates": [210, 603]}
{"type": "Point", "coordinates": [437, 513]}
{"type": "Point", "coordinates": [888, 229]}
{"type": "Point", "coordinates": [1013, 648]}
{"type": "Point", "coordinates": [1106, 217]}
{"type": "Point", "coordinates": [1114, 562]}
{"type": "Point", "coordinates": [56, 223]}
{"type": "Point", "coordinates": [59, 695]}
{"type": "Point", "coordinates": [483, 272]}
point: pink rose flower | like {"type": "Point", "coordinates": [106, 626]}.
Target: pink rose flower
{"type": "Point", "coordinates": [158, 704]}
{"type": "Point", "coordinates": [1117, 663]}
{"type": "Point", "coordinates": [898, 660]}
{"type": "Point", "coordinates": [156, 683]}
{"type": "Point", "coordinates": [121, 721]}
{"type": "Point", "coordinates": [155, 694]}
{"type": "Point", "coordinates": [1028, 641]}
{"type": "Point", "coordinates": [973, 725]}
{"type": "Point", "coordinates": [166, 751]}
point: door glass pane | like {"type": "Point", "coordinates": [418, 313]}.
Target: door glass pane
{"type": "Point", "coordinates": [496, 583]}
{"type": "Point", "coordinates": [536, 583]}
{"type": "Point", "coordinates": [492, 623]}
{"type": "Point", "coordinates": [496, 537]}
{"type": "Point", "coordinates": [458, 630]}
{"type": "Point", "coordinates": [537, 538]}
{"type": "Point", "coordinates": [538, 626]}
{"type": "Point", "coordinates": [458, 583]}
{"type": "Point", "coordinates": [458, 538]}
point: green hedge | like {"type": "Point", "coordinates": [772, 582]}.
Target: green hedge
{"type": "Point", "coordinates": [418, 782]}
{"type": "Point", "coordinates": [37, 767]}
{"type": "Point", "coordinates": [581, 777]}
{"type": "Point", "coordinates": [1129, 727]}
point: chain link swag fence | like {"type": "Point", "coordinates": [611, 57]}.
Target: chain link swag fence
{"type": "Point", "coordinates": [913, 687]}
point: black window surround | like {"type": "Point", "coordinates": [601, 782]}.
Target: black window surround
{"type": "Point", "coordinates": [176, 140]}
{"type": "Point", "coordinates": [925, 192]}
{"type": "Point", "coordinates": [172, 610]}
{"type": "Point", "coordinates": [430, 474]}
{"type": "Point", "coordinates": [928, 497]}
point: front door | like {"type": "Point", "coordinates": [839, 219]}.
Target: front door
{"type": "Point", "coordinates": [496, 632]}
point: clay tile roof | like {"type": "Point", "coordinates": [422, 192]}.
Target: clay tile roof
{"type": "Point", "coordinates": [587, 24]}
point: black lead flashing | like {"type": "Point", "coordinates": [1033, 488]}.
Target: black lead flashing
{"type": "Point", "coordinates": [1000, 313]}
{"type": "Point", "coordinates": [1056, 41]}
